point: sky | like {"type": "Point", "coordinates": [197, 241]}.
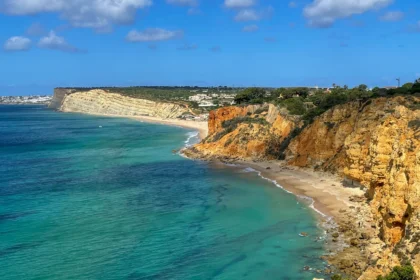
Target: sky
{"type": "Point", "coordinates": [270, 43]}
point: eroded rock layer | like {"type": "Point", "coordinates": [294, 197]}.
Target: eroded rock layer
{"type": "Point", "coordinates": [374, 145]}
{"type": "Point", "coordinates": [251, 132]}
{"type": "Point", "coordinates": [107, 103]}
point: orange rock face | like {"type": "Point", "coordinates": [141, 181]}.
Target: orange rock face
{"type": "Point", "coordinates": [248, 140]}
{"type": "Point", "coordinates": [376, 144]}
{"type": "Point", "coordinates": [217, 117]}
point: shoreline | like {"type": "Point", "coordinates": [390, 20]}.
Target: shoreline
{"type": "Point", "coordinates": [328, 194]}
{"type": "Point", "coordinates": [200, 126]}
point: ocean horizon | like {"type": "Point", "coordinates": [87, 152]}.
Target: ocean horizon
{"type": "Point", "coordinates": [91, 197]}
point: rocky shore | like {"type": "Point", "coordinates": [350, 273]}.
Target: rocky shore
{"type": "Point", "coordinates": [373, 150]}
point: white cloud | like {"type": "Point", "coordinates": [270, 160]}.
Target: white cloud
{"type": "Point", "coordinates": [250, 28]}
{"type": "Point", "coordinates": [392, 16]}
{"type": "Point", "coordinates": [183, 2]}
{"type": "Point", "coordinates": [54, 42]}
{"type": "Point", "coordinates": [80, 13]}
{"type": "Point", "coordinates": [17, 43]}
{"type": "Point", "coordinates": [153, 34]}
{"type": "Point", "coordinates": [323, 13]}
{"type": "Point", "coordinates": [253, 15]}
{"type": "Point", "coordinates": [292, 4]}
{"type": "Point", "coordinates": [234, 4]}
{"type": "Point", "coordinates": [247, 15]}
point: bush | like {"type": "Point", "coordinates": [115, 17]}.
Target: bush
{"type": "Point", "coordinates": [295, 106]}
{"type": "Point", "coordinates": [251, 95]}
{"type": "Point", "coordinates": [405, 272]}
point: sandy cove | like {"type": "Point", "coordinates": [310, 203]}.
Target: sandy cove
{"type": "Point", "coordinates": [200, 126]}
{"type": "Point", "coordinates": [329, 194]}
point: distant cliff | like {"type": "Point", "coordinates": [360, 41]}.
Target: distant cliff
{"type": "Point", "coordinates": [374, 144]}
{"type": "Point", "coordinates": [108, 103]}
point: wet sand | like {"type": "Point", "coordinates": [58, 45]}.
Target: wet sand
{"type": "Point", "coordinates": [327, 191]}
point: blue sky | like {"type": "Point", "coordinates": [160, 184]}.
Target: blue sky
{"type": "Point", "coordinates": [50, 43]}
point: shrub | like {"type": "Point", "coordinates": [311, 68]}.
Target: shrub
{"type": "Point", "coordinates": [250, 95]}
{"type": "Point", "coordinates": [405, 272]}
{"type": "Point", "coordinates": [295, 106]}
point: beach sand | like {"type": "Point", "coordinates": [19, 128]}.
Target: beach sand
{"type": "Point", "coordinates": [200, 126]}
{"type": "Point", "coordinates": [330, 197]}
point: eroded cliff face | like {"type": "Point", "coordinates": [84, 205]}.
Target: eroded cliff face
{"type": "Point", "coordinates": [245, 133]}
{"type": "Point", "coordinates": [377, 145]}
{"type": "Point", "coordinates": [374, 145]}
{"type": "Point", "coordinates": [107, 103]}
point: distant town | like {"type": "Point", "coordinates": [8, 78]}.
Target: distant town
{"type": "Point", "coordinates": [31, 99]}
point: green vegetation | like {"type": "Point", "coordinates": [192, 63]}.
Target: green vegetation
{"type": "Point", "coordinates": [251, 96]}
{"type": "Point", "coordinates": [405, 272]}
{"type": "Point", "coordinates": [310, 103]}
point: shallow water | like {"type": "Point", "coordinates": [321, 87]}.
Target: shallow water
{"type": "Point", "coordinates": [85, 197]}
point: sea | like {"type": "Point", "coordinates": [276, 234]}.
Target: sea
{"type": "Point", "coordinates": [90, 197]}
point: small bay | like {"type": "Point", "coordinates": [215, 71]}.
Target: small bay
{"type": "Point", "coordinates": [88, 197]}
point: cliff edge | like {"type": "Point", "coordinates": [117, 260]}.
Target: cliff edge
{"type": "Point", "coordinates": [373, 145]}
{"type": "Point", "coordinates": [102, 102]}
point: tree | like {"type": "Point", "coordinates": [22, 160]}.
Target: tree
{"type": "Point", "coordinates": [363, 87]}
{"type": "Point", "coordinates": [405, 272]}
{"type": "Point", "coordinates": [416, 86]}
{"type": "Point", "coordinates": [250, 95]}
{"type": "Point", "coordinates": [408, 85]}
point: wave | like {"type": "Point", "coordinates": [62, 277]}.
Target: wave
{"type": "Point", "coordinates": [192, 138]}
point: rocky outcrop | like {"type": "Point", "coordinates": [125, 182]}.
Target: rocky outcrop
{"type": "Point", "coordinates": [107, 103]}
{"type": "Point", "coordinates": [375, 144]}
{"type": "Point", "coordinates": [251, 132]}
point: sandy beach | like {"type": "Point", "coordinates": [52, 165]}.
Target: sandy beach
{"type": "Point", "coordinates": [330, 196]}
{"type": "Point", "coordinates": [201, 126]}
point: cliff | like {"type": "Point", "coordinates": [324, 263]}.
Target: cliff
{"type": "Point", "coordinates": [373, 145]}
{"type": "Point", "coordinates": [250, 132]}
{"type": "Point", "coordinates": [108, 103]}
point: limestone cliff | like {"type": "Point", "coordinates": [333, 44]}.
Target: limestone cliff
{"type": "Point", "coordinates": [108, 103]}
{"type": "Point", "coordinates": [251, 132]}
{"type": "Point", "coordinates": [374, 145]}
{"type": "Point", "coordinates": [377, 145]}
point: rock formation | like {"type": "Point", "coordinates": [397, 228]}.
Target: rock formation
{"type": "Point", "coordinates": [373, 144]}
{"type": "Point", "coordinates": [107, 103]}
{"type": "Point", "coordinates": [245, 133]}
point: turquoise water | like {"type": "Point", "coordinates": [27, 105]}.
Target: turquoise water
{"type": "Point", "coordinates": [81, 201]}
